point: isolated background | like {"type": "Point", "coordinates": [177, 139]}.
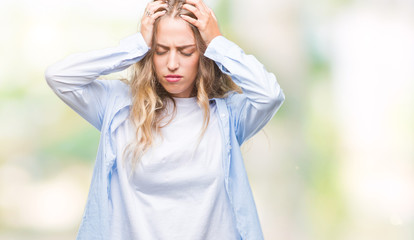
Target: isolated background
{"type": "Point", "coordinates": [335, 163]}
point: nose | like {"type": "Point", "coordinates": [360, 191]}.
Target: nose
{"type": "Point", "coordinates": [173, 62]}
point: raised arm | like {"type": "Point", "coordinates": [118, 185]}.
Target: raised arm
{"type": "Point", "coordinates": [73, 78]}
{"type": "Point", "coordinates": [261, 97]}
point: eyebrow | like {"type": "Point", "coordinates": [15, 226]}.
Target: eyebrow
{"type": "Point", "coordinates": [179, 47]}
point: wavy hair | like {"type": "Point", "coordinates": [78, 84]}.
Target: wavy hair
{"type": "Point", "coordinates": [149, 98]}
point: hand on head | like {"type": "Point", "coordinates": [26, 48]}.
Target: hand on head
{"type": "Point", "coordinates": [206, 21]}
{"type": "Point", "coordinates": [150, 15]}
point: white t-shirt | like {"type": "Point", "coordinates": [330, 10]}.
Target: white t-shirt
{"type": "Point", "coordinates": [177, 190]}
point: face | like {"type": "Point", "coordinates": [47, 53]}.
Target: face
{"type": "Point", "coordinates": [176, 57]}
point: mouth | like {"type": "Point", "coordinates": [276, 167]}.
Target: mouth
{"type": "Point", "coordinates": [173, 78]}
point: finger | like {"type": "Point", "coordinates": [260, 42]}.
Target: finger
{"type": "Point", "coordinates": [192, 9]}
{"type": "Point", "coordinates": [154, 6]}
{"type": "Point", "coordinates": [156, 2]}
{"type": "Point", "coordinates": [190, 20]}
{"type": "Point", "coordinates": [212, 14]}
{"type": "Point", "coordinates": [198, 3]}
{"type": "Point", "coordinates": [154, 14]}
{"type": "Point", "coordinates": [150, 4]}
{"type": "Point", "coordinates": [201, 5]}
{"type": "Point", "coordinates": [200, 15]}
{"type": "Point", "coordinates": [149, 20]}
{"type": "Point", "coordinates": [158, 14]}
{"type": "Point", "coordinates": [204, 6]}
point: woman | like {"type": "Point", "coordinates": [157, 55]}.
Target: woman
{"type": "Point", "coordinates": [169, 164]}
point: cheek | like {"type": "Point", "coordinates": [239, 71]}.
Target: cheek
{"type": "Point", "coordinates": [192, 65]}
{"type": "Point", "coordinates": [157, 64]}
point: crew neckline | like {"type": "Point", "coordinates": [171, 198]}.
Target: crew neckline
{"type": "Point", "coordinates": [185, 101]}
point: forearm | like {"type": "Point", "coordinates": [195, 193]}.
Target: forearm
{"type": "Point", "coordinates": [78, 70]}
{"type": "Point", "coordinates": [257, 84]}
{"type": "Point", "coordinates": [73, 78]}
{"type": "Point", "coordinates": [262, 95]}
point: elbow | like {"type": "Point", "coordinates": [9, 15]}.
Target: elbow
{"type": "Point", "coordinates": [280, 98]}
{"type": "Point", "coordinates": [273, 93]}
{"type": "Point", "coordinates": [49, 73]}
{"type": "Point", "coordinates": [270, 100]}
{"type": "Point", "coordinates": [276, 99]}
{"type": "Point", "coordinates": [50, 76]}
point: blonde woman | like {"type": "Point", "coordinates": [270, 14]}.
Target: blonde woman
{"type": "Point", "coordinates": [169, 164]}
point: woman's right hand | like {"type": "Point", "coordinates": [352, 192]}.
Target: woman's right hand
{"type": "Point", "coordinates": [149, 17]}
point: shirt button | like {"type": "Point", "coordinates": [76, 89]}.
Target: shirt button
{"type": "Point", "coordinates": [223, 115]}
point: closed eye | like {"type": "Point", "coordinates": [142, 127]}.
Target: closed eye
{"type": "Point", "coordinates": [185, 50]}
{"type": "Point", "coordinates": [160, 52]}
{"type": "Point", "coordinates": [187, 54]}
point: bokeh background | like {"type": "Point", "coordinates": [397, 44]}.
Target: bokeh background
{"type": "Point", "coordinates": [335, 163]}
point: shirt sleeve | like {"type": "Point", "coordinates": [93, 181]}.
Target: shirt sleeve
{"type": "Point", "coordinates": [262, 95]}
{"type": "Point", "coordinates": [73, 78]}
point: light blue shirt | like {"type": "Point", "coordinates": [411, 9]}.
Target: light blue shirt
{"type": "Point", "coordinates": [106, 104]}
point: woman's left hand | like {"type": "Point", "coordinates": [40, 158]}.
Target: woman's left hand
{"type": "Point", "coordinates": [206, 21]}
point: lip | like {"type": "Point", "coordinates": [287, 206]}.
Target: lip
{"type": "Point", "coordinates": [173, 78]}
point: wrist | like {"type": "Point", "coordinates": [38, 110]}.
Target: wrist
{"type": "Point", "coordinates": [212, 38]}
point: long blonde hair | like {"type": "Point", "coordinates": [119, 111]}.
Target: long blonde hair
{"type": "Point", "coordinates": [149, 98]}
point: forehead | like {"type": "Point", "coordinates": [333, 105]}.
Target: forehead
{"type": "Point", "coordinates": [174, 32]}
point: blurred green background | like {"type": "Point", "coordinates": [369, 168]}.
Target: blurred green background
{"type": "Point", "coordinates": [335, 163]}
